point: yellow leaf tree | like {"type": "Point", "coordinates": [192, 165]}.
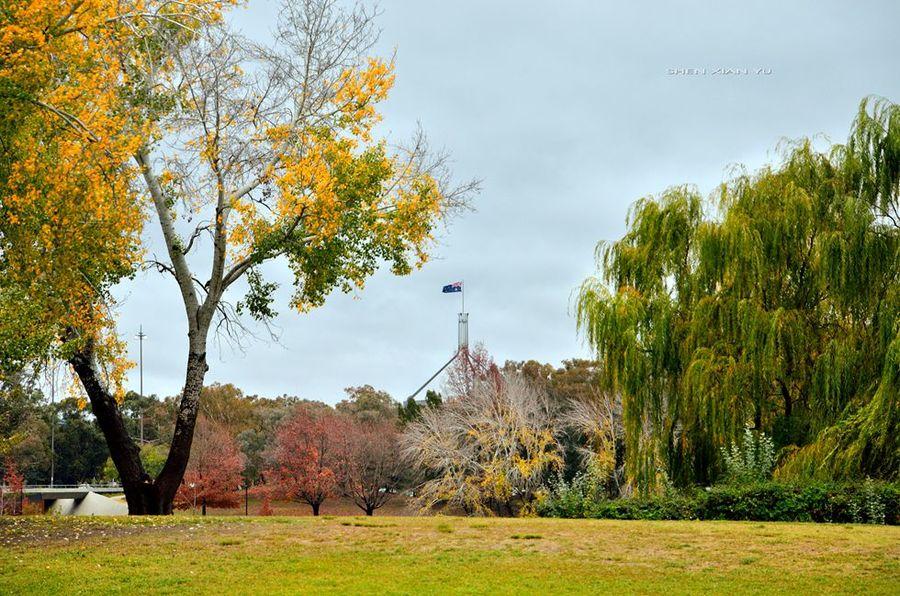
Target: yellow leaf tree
{"type": "Point", "coordinates": [241, 153]}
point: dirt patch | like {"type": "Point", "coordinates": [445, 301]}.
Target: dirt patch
{"type": "Point", "coordinates": [49, 530]}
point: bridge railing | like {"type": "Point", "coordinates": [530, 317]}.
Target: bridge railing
{"type": "Point", "coordinates": [83, 486]}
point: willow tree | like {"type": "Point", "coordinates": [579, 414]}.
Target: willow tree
{"type": "Point", "coordinates": [773, 304]}
{"type": "Point", "coordinates": [242, 154]}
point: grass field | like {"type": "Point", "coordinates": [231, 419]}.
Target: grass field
{"type": "Point", "coordinates": [441, 555]}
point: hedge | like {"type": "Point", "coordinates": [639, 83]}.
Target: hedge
{"type": "Point", "coordinates": [862, 502]}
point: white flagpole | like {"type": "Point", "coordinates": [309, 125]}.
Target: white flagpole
{"type": "Point", "coordinates": [464, 296]}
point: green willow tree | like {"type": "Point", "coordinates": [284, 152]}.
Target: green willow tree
{"type": "Point", "coordinates": [775, 305]}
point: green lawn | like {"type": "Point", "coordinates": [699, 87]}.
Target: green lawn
{"type": "Point", "coordinates": [441, 555]}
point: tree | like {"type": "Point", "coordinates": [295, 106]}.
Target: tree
{"type": "Point", "coordinates": [243, 154]}
{"type": "Point", "coordinates": [305, 456]}
{"type": "Point", "coordinates": [70, 222]}
{"type": "Point", "coordinates": [779, 311]}
{"type": "Point", "coordinates": [214, 472]}
{"type": "Point", "coordinates": [367, 404]}
{"type": "Point", "coordinates": [25, 428]}
{"type": "Point", "coordinates": [412, 409]}
{"type": "Point", "coordinates": [80, 449]}
{"type": "Point", "coordinates": [227, 405]}
{"type": "Point", "coordinates": [596, 421]}
{"type": "Point", "coordinates": [267, 416]}
{"type": "Point", "coordinates": [29, 446]}
{"type": "Point", "coordinates": [489, 452]}
{"type": "Point", "coordinates": [12, 491]}
{"type": "Point", "coordinates": [147, 416]}
{"type": "Point", "coordinates": [153, 457]}
{"type": "Point", "coordinates": [468, 369]}
{"type": "Point", "coordinates": [409, 411]}
{"type": "Point", "coordinates": [433, 399]}
{"type": "Point", "coordinates": [575, 380]}
{"type": "Point", "coordinates": [253, 444]}
{"type": "Point", "coordinates": [573, 389]}
{"type": "Point", "coordinates": [370, 467]}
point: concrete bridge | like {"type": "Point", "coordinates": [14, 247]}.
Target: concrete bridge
{"type": "Point", "coordinates": [81, 499]}
{"type": "Point", "coordinates": [69, 491]}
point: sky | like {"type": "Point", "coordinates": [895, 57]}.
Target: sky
{"type": "Point", "coordinates": [568, 112]}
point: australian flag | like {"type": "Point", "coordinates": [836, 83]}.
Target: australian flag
{"type": "Point", "coordinates": [454, 287]}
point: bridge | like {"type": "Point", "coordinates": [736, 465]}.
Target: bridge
{"type": "Point", "coordinates": [78, 499]}
{"type": "Point", "coordinates": [69, 491]}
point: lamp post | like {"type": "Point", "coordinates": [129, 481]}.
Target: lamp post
{"type": "Point", "coordinates": [193, 486]}
{"type": "Point", "coordinates": [52, 426]}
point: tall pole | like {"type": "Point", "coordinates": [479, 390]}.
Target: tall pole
{"type": "Point", "coordinates": [52, 425]}
{"type": "Point", "coordinates": [463, 296]}
{"type": "Point", "coordinates": [141, 335]}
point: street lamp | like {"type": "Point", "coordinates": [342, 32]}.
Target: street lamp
{"type": "Point", "coordinates": [192, 486]}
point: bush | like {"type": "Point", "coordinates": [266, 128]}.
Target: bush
{"type": "Point", "coordinates": [571, 499]}
{"type": "Point", "coordinates": [749, 459]}
{"type": "Point", "coordinates": [861, 502]}
{"type": "Point", "coordinates": [673, 506]}
{"type": "Point", "coordinates": [581, 498]}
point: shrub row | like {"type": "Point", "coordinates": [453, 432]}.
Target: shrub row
{"type": "Point", "coordinates": [862, 502]}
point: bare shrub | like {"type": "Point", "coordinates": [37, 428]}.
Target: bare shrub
{"type": "Point", "coordinates": [487, 452]}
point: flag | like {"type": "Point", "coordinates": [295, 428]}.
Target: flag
{"type": "Point", "coordinates": [454, 287]}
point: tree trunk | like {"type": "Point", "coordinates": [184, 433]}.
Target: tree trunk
{"type": "Point", "coordinates": [146, 500]}
{"type": "Point", "coordinates": [143, 495]}
{"type": "Point", "coordinates": [788, 401]}
{"type": "Point", "coordinates": [140, 493]}
{"type": "Point", "coordinates": [370, 510]}
{"type": "Point", "coordinates": [203, 507]}
{"type": "Point", "coordinates": [172, 474]}
{"type": "Point", "coordinates": [315, 508]}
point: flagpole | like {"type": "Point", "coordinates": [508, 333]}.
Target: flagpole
{"type": "Point", "coordinates": [463, 296]}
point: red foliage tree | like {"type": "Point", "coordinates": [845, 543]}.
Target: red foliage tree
{"type": "Point", "coordinates": [370, 466]}
{"type": "Point", "coordinates": [266, 507]}
{"type": "Point", "coordinates": [214, 470]}
{"type": "Point", "coordinates": [470, 367]}
{"type": "Point", "coordinates": [12, 491]}
{"type": "Point", "coordinates": [305, 456]}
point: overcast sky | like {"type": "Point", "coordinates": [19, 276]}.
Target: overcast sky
{"type": "Point", "coordinates": [568, 112]}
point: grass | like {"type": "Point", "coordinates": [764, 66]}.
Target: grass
{"type": "Point", "coordinates": [419, 555]}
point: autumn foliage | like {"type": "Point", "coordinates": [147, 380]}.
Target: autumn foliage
{"type": "Point", "coordinates": [306, 456]}
{"type": "Point", "coordinates": [371, 468]}
{"type": "Point", "coordinates": [488, 452]}
{"type": "Point", "coordinates": [321, 454]}
{"type": "Point", "coordinates": [11, 495]}
{"type": "Point", "coordinates": [214, 470]}
{"type": "Point", "coordinates": [69, 219]}
{"type": "Point", "coordinates": [471, 367]}
{"type": "Point", "coordinates": [113, 114]}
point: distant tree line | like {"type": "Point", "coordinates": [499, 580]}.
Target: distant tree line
{"type": "Point", "coordinates": [287, 448]}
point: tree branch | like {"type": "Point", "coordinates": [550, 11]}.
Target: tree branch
{"type": "Point", "coordinates": [173, 242]}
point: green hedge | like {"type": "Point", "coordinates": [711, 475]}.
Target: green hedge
{"type": "Point", "coordinates": [862, 502]}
